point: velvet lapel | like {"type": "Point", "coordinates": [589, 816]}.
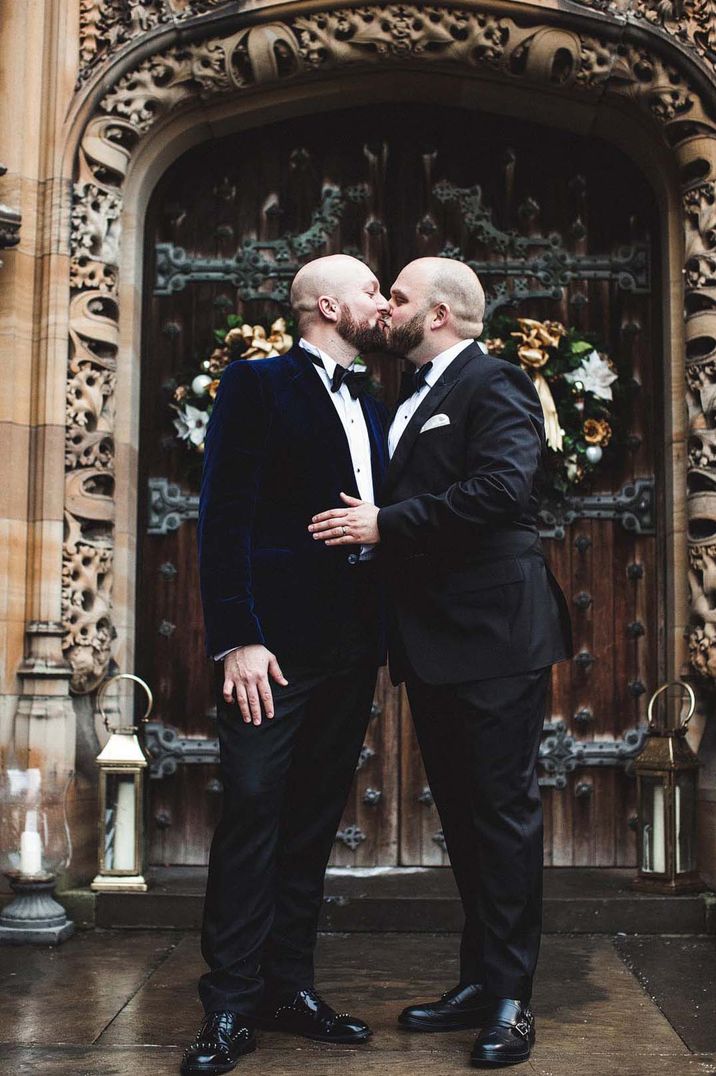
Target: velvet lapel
{"type": "Point", "coordinates": [324, 420]}
{"type": "Point", "coordinates": [378, 447]}
{"type": "Point", "coordinates": [442, 387]}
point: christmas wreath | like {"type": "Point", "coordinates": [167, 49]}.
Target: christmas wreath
{"type": "Point", "coordinates": [193, 398]}
{"type": "Point", "coordinates": [574, 382]}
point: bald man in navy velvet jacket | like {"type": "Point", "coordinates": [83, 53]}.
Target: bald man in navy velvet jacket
{"type": "Point", "coordinates": [297, 634]}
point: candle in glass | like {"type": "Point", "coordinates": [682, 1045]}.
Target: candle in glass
{"type": "Point", "coordinates": [30, 846]}
{"type": "Point", "coordinates": [124, 836]}
{"type": "Point", "coordinates": [658, 836]}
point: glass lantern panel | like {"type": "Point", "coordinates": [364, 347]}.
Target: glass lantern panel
{"type": "Point", "coordinates": [685, 810]}
{"type": "Point", "coordinates": [34, 833]}
{"type": "Point", "coordinates": [653, 825]}
{"type": "Point", "coordinates": [120, 822]}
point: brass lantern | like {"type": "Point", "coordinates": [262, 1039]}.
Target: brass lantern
{"type": "Point", "coordinates": [121, 802]}
{"type": "Point", "coordinates": [667, 782]}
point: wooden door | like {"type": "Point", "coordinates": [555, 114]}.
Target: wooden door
{"type": "Point", "coordinates": [560, 228]}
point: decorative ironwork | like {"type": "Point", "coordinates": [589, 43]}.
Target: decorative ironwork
{"type": "Point", "coordinates": [366, 754]}
{"type": "Point", "coordinates": [167, 749]}
{"type": "Point", "coordinates": [584, 660]}
{"type": "Point", "coordinates": [634, 506]}
{"type": "Point", "coordinates": [169, 506]}
{"type": "Point", "coordinates": [372, 797]}
{"type": "Point", "coordinates": [583, 600]}
{"type": "Point", "coordinates": [535, 266]}
{"type": "Point", "coordinates": [351, 836]}
{"type": "Point", "coordinates": [168, 571]}
{"type": "Point", "coordinates": [560, 754]}
{"type": "Point", "coordinates": [260, 269]}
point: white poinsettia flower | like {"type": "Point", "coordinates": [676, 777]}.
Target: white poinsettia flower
{"type": "Point", "coordinates": [191, 423]}
{"type": "Point", "coordinates": [596, 375]}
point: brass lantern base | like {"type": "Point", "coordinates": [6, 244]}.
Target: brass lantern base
{"type": "Point", "coordinates": [684, 883]}
{"type": "Point", "coordinates": [130, 883]}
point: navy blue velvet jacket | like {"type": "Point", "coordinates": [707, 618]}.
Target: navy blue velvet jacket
{"type": "Point", "coordinates": [276, 454]}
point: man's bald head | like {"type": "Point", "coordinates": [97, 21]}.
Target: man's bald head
{"type": "Point", "coordinates": [339, 307]}
{"type": "Point", "coordinates": [435, 302]}
{"type": "Point", "coordinates": [446, 280]}
{"type": "Point", "coordinates": [331, 277]}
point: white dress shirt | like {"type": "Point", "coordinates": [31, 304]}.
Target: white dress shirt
{"type": "Point", "coordinates": [408, 408]}
{"type": "Point", "coordinates": [352, 419]}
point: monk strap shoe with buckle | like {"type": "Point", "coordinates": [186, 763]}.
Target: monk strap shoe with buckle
{"type": "Point", "coordinates": [221, 1040]}
{"type": "Point", "coordinates": [507, 1036]}
{"type": "Point", "coordinates": [461, 1007]}
{"type": "Point", "coordinates": [307, 1014]}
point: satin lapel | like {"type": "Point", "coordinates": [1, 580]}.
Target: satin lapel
{"type": "Point", "coordinates": [442, 387]}
{"type": "Point", "coordinates": [378, 447]}
{"type": "Point", "coordinates": [324, 421]}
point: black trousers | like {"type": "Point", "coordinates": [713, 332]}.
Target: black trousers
{"type": "Point", "coordinates": [480, 743]}
{"type": "Point", "coordinates": [285, 785]}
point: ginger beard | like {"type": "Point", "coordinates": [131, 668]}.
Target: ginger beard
{"type": "Point", "coordinates": [364, 337]}
{"type": "Point", "coordinates": [402, 339]}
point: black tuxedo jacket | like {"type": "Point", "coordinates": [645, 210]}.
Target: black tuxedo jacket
{"type": "Point", "coordinates": [276, 454]}
{"type": "Point", "coordinates": [472, 596]}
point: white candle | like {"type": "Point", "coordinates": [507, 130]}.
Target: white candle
{"type": "Point", "coordinates": [659, 843]}
{"type": "Point", "coordinates": [124, 827]}
{"type": "Point", "coordinates": [677, 807]}
{"type": "Point", "coordinates": [30, 846]}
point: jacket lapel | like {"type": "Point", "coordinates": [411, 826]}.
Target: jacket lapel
{"type": "Point", "coordinates": [378, 446]}
{"type": "Point", "coordinates": [324, 419]}
{"type": "Point", "coordinates": [442, 387]}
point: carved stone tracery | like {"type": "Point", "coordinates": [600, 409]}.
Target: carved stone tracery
{"type": "Point", "coordinates": [303, 47]}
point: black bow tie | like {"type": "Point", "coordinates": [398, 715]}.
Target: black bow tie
{"type": "Point", "coordinates": [356, 383]}
{"type": "Point", "coordinates": [419, 376]}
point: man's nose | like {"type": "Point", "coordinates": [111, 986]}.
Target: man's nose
{"type": "Point", "coordinates": [383, 304]}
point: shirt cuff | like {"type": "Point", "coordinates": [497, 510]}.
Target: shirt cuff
{"type": "Point", "coordinates": [219, 657]}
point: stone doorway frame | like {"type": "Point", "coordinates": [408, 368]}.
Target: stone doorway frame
{"type": "Point", "coordinates": [211, 69]}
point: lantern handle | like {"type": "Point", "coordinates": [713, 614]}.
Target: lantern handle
{"type": "Point", "coordinates": [124, 676]}
{"type": "Point", "coordinates": [672, 683]}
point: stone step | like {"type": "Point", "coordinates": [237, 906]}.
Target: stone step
{"type": "Point", "coordinates": [423, 900]}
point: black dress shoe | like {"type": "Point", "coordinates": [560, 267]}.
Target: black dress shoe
{"type": "Point", "coordinates": [221, 1040]}
{"type": "Point", "coordinates": [463, 1006]}
{"type": "Point", "coordinates": [506, 1037]}
{"type": "Point", "coordinates": [308, 1015]}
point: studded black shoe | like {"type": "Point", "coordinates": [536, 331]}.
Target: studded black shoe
{"type": "Point", "coordinates": [307, 1014]}
{"type": "Point", "coordinates": [507, 1037]}
{"type": "Point", "coordinates": [461, 1007]}
{"type": "Point", "coordinates": [222, 1039]}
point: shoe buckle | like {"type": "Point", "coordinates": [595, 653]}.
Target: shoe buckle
{"type": "Point", "coordinates": [522, 1028]}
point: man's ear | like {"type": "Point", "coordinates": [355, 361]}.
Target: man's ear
{"type": "Point", "coordinates": [440, 316]}
{"type": "Point", "coordinates": [328, 307]}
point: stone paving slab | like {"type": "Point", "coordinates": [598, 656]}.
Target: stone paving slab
{"type": "Point", "coordinates": [679, 974]}
{"type": "Point", "coordinates": [72, 992]}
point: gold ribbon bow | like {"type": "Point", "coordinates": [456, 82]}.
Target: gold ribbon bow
{"type": "Point", "coordinates": [536, 337]}
{"type": "Point", "coordinates": [261, 346]}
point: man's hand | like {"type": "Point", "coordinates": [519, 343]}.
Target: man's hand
{"type": "Point", "coordinates": [355, 525]}
{"type": "Point", "coordinates": [246, 673]}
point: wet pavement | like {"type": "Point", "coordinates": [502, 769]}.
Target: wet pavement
{"type": "Point", "coordinates": [123, 1002]}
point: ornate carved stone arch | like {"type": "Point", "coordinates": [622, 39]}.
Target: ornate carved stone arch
{"type": "Point", "coordinates": [162, 56]}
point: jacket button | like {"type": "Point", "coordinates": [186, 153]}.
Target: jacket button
{"type": "Point", "coordinates": [352, 558]}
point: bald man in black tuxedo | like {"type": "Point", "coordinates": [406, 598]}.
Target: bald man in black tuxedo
{"type": "Point", "coordinates": [478, 621]}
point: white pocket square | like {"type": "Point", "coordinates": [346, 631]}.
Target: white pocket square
{"type": "Point", "coordinates": [434, 422]}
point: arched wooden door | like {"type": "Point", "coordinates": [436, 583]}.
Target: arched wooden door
{"type": "Point", "coordinates": [559, 226]}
